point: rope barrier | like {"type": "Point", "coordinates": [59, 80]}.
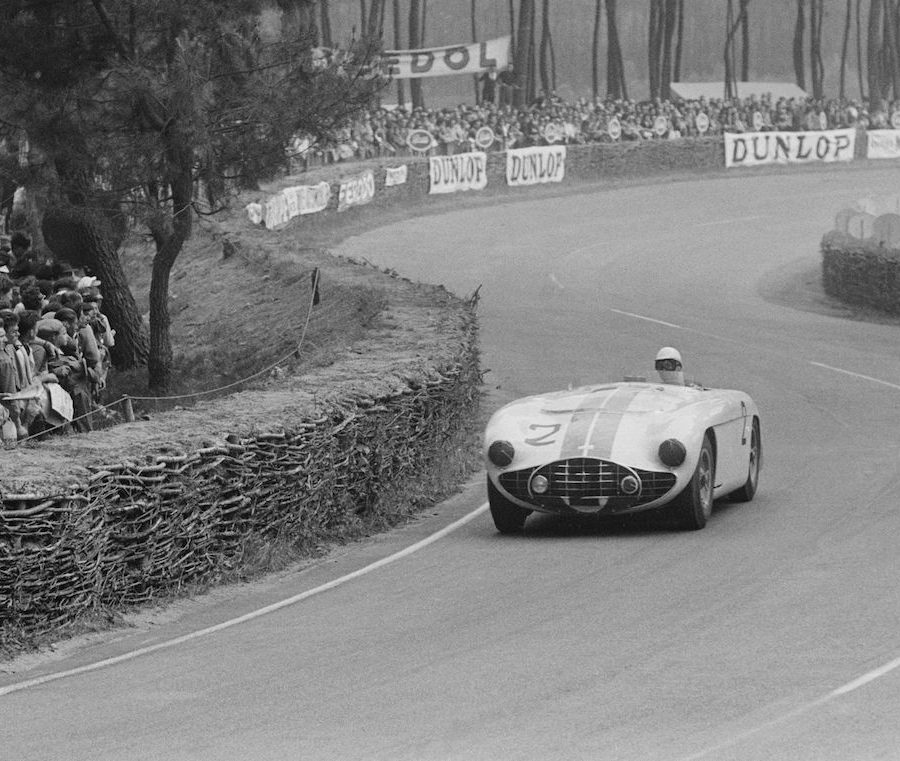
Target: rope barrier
{"type": "Point", "coordinates": [127, 399]}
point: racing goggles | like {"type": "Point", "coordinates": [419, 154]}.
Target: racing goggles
{"type": "Point", "coordinates": [668, 364]}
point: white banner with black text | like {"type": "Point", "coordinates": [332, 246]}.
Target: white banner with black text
{"type": "Point", "coordinates": [535, 165]}
{"type": "Point", "coordinates": [462, 171]}
{"type": "Point", "coordinates": [469, 58]}
{"type": "Point", "coordinates": [758, 148]}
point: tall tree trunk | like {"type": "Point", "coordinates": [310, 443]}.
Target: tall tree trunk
{"type": "Point", "coordinates": [873, 54]}
{"type": "Point", "coordinates": [90, 239]}
{"type": "Point", "coordinates": [512, 30]}
{"type": "Point", "coordinates": [797, 47]}
{"type": "Point", "coordinates": [817, 68]}
{"type": "Point", "coordinates": [531, 89]}
{"type": "Point", "coordinates": [524, 54]}
{"type": "Point", "coordinates": [679, 43]}
{"type": "Point", "coordinates": [375, 25]}
{"type": "Point", "coordinates": [669, 22]}
{"type": "Point", "coordinates": [595, 51]}
{"type": "Point", "coordinates": [363, 19]}
{"type": "Point", "coordinates": [728, 55]}
{"type": "Point", "coordinates": [616, 86]}
{"type": "Point", "coordinates": [398, 45]}
{"type": "Point", "coordinates": [325, 24]}
{"type": "Point", "coordinates": [169, 240]}
{"type": "Point", "coordinates": [845, 44]}
{"type": "Point", "coordinates": [745, 41]}
{"type": "Point", "coordinates": [654, 46]}
{"type": "Point", "coordinates": [424, 17]}
{"type": "Point", "coordinates": [546, 49]}
{"type": "Point", "coordinates": [473, 19]}
{"type": "Point", "coordinates": [892, 56]}
{"type": "Point", "coordinates": [859, 54]}
{"type": "Point", "coordinates": [415, 41]}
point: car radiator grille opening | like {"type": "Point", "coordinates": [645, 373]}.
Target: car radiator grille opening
{"type": "Point", "coordinates": [585, 481]}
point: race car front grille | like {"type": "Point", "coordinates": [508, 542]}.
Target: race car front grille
{"type": "Point", "coordinates": [585, 481]}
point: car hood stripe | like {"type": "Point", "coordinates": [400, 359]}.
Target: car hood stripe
{"type": "Point", "coordinates": [593, 426]}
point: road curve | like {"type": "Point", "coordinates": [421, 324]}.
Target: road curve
{"type": "Point", "coordinates": [772, 634]}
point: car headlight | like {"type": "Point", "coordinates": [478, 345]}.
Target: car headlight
{"type": "Point", "coordinates": [501, 453]}
{"type": "Point", "coordinates": [540, 484]}
{"type": "Point", "coordinates": [672, 452]}
{"type": "Point", "coordinates": [630, 485]}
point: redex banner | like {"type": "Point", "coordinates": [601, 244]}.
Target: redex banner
{"type": "Point", "coordinates": [757, 148]}
{"type": "Point", "coordinates": [289, 203]}
{"type": "Point", "coordinates": [532, 166]}
{"type": "Point", "coordinates": [463, 171]}
{"type": "Point", "coordinates": [883, 144]}
{"type": "Point", "coordinates": [453, 59]}
{"type": "Point", "coordinates": [356, 191]}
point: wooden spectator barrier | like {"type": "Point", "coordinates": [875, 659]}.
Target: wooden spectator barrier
{"type": "Point", "coordinates": [152, 523]}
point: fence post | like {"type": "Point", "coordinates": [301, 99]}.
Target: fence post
{"type": "Point", "coordinates": [129, 410]}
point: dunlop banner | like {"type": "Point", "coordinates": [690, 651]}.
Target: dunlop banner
{"type": "Point", "coordinates": [463, 171]}
{"type": "Point", "coordinates": [532, 166]}
{"type": "Point", "coordinates": [883, 144]}
{"type": "Point", "coordinates": [757, 148]}
{"type": "Point", "coordinates": [395, 175]}
{"type": "Point", "coordinates": [356, 191]}
{"type": "Point", "coordinates": [453, 59]}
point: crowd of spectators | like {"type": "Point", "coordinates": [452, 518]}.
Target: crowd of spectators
{"type": "Point", "coordinates": [54, 348]}
{"type": "Point", "coordinates": [384, 131]}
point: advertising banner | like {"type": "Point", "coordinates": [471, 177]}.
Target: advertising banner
{"type": "Point", "coordinates": [356, 191]}
{"type": "Point", "coordinates": [463, 171]}
{"type": "Point", "coordinates": [289, 203]}
{"type": "Point", "coordinates": [883, 144]}
{"type": "Point", "coordinates": [757, 148]}
{"type": "Point", "coordinates": [532, 166]}
{"type": "Point", "coordinates": [453, 59]}
{"type": "Point", "coordinates": [395, 175]}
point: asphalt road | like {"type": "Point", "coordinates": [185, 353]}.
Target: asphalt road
{"type": "Point", "coordinates": [772, 634]}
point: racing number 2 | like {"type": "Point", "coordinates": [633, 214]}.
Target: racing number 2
{"type": "Point", "coordinates": [545, 439]}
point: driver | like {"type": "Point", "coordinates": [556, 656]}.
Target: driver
{"type": "Point", "coordinates": [668, 365]}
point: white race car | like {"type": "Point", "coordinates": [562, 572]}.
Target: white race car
{"type": "Point", "coordinates": [621, 448]}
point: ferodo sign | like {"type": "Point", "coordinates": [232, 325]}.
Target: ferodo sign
{"type": "Point", "coordinates": [532, 166]}
{"type": "Point", "coordinates": [463, 171]}
{"type": "Point", "coordinates": [356, 191]}
{"type": "Point", "coordinates": [757, 148]}
{"type": "Point", "coordinates": [453, 59]}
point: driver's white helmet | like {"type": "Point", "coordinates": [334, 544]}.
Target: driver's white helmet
{"type": "Point", "coordinates": [669, 367]}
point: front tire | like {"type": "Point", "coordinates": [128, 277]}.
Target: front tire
{"type": "Point", "coordinates": [748, 490]}
{"type": "Point", "coordinates": [693, 506]}
{"type": "Point", "coordinates": [509, 518]}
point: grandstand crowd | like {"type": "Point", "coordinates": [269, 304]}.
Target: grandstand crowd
{"type": "Point", "coordinates": [54, 349]}
{"type": "Point", "coordinates": [384, 131]}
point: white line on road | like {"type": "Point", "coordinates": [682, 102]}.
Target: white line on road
{"type": "Point", "coordinates": [717, 222]}
{"type": "Point", "coordinates": [858, 375]}
{"type": "Point", "coordinates": [870, 676]}
{"type": "Point", "coordinates": [647, 319]}
{"type": "Point", "coordinates": [556, 282]}
{"type": "Point", "coordinates": [248, 616]}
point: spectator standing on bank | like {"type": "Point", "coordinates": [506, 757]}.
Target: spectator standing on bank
{"type": "Point", "coordinates": [488, 81]}
{"type": "Point", "coordinates": [81, 379]}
